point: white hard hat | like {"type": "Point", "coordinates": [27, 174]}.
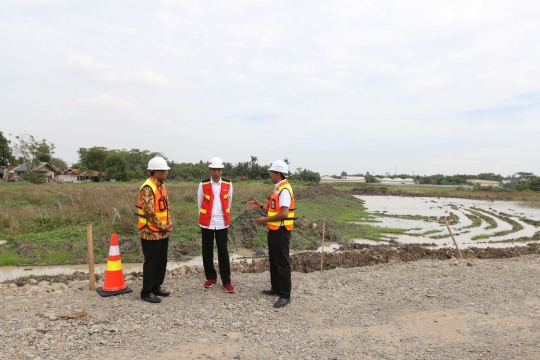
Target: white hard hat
{"type": "Point", "coordinates": [280, 166]}
{"type": "Point", "coordinates": [216, 163]}
{"type": "Point", "coordinates": [158, 163]}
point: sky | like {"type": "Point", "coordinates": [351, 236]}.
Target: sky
{"type": "Point", "coordinates": [423, 87]}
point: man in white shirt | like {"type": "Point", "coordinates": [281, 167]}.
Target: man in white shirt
{"type": "Point", "coordinates": [214, 198]}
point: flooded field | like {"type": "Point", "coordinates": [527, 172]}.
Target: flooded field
{"type": "Point", "coordinates": [475, 223]}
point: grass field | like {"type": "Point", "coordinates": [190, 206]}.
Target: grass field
{"type": "Point", "coordinates": [46, 224]}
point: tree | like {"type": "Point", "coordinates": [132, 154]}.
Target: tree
{"type": "Point", "coordinates": [59, 163]}
{"type": "Point", "coordinates": [6, 157]}
{"type": "Point", "coordinates": [370, 179]}
{"type": "Point", "coordinates": [343, 173]}
{"type": "Point", "coordinates": [137, 162]}
{"type": "Point", "coordinates": [32, 151]}
{"type": "Point", "coordinates": [307, 175]}
{"type": "Point", "coordinates": [93, 158]}
{"type": "Point", "coordinates": [116, 167]}
{"type": "Point", "coordinates": [35, 177]}
{"type": "Point", "coordinates": [534, 185]}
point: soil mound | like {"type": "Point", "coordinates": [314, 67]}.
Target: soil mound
{"type": "Point", "coordinates": [243, 230]}
{"type": "Point", "coordinates": [356, 255]}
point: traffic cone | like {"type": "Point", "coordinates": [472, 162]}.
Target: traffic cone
{"type": "Point", "coordinates": [114, 276]}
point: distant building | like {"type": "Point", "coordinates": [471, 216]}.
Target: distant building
{"type": "Point", "coordinates": [75, 175]}
{"type": "Point", "coordinates": [485, 183]}
{"type": "Point", "coordinates": [45, 168]}
{"type": "Point", "coordinates": [6, 172]}
{"type": "Point", "coordinates": [395, 181]}
{"type": "Point", "coordinates": [343, 179]}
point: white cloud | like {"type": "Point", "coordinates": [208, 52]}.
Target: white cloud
{"type": "Point", "coordinates": [113, 74]}
{"type": "Point", "coordinates": [106, 101]}
{"type": "Point", "coordinates": [358, 84]}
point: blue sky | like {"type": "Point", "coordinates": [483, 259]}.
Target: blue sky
{"type": "Point", "coordinates": [425, 86]}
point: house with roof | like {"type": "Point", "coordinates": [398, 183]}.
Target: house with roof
{"type": "Point", "coordinates": [47, 169]}
{"type": "Point", "coordinates": [343, 179]}
{"type": "Point", "coordinates": [485, 183]}
{"type": "Point", "coordinates": [395, 181]}
{"type": "Point", "coordinates": [6, 172]}
{"type": "Point", "coordinates": [76, 175]}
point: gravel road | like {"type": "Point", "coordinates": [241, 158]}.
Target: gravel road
{"type": "Point", "coordinates": [427, 309]}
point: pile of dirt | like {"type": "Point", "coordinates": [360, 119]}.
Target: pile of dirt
{"type": "Point", "coordinates": [243, 230]}
{"type": "Point", "coordinates": [361, 255]}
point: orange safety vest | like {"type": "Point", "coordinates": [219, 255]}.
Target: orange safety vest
{"type": "Point", "coordinates": [205, 212]}
{"type": "Point", "coordinates": [161, 205]}
{"type": "Point", "coordinates": [274, 208]}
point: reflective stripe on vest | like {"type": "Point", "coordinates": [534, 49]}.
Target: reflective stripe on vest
{"type": "Point", "coordinates": [274, 208]}
{"type": "Point", "coordinates": [160, 211]}
{"type": "Point", "coordinates": [205, 212]}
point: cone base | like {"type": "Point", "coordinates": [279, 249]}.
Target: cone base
{"type": "Point", "coordinates": [104, 293]}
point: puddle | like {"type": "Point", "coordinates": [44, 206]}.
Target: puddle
{"type": "Point", "coordinates": [13, 272]}
{"type": "Point", "coordinates": [329, 247]}
{"type": "Point", "coordinates": [239, 254]}
{"type": "Point", "coordinates": [463, 233]}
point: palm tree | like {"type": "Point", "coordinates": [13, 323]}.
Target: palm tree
{"type": "Point", "coordinates": [253, 160]}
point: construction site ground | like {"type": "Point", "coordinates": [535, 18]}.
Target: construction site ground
{"type": "Point", "coordinates": [438, 307]}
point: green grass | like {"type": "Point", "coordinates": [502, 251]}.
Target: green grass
{"type": "Point", "coordinates": [476, 221]}
{"type": "Point", "coordinates": [49, 227]}
{"type": "Point", "coordinates": [492, 224]}
{"type": "Point", "coordinates": [339, 210]}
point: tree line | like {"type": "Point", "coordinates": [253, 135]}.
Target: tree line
{"type": "Point", "coordinates": [126, 165]}
{"type": "Point", "coordinates": [518, 181]}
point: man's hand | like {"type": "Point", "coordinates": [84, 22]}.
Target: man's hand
{"type": "Point", "coordinates": [254, 204]}
{"type": "Point", "coordinates": [168, 228]}
{"type": "Point", "coordinates": [261, 220]}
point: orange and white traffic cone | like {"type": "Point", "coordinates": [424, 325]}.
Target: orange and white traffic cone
{"type": "Point", "coordinates": [114, 283]}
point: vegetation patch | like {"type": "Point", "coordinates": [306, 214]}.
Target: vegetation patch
{"type": "Point", "coordinates": [42, 226]}
{"type": "Point", "coordinates": [535, 223]}
{"type": "Point", "coordinates": [476, 221]}
{"type": "Point", "coordinates": [492, 224]}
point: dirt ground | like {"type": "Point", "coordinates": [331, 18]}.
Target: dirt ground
{"type": "Point", "coordinates": [478, 308]}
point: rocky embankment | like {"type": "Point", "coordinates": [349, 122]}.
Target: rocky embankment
{"type": "Point", "coordinates": [427, 309]}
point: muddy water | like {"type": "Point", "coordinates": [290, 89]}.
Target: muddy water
{"type": "Point", "coordinates": [394, 205]}
{"type": "Point", "coordinates": [239, 254]}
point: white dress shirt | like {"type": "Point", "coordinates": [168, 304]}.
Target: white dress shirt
{"type": "Point", "coordinates": [217, 221]}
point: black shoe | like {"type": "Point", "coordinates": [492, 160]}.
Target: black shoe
{"type": "Point", "coordinates": [270, 292]}
{"type": "Point", "coordinates": [151, 298]}
{"type": "Point", "coordinates": [161, 292]}
{"type": "Point", "coordinates": [282, 302]}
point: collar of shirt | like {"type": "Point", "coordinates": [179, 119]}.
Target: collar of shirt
{"type": "Point", "coordinates": [279, 183]}
{"type": "Point", "coordinates": [157, 183]}
{"type": "Point", "coordinates": [219, 182]}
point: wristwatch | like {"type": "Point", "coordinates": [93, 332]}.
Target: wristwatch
{"type": "Point", "coordinates": [262, 206]}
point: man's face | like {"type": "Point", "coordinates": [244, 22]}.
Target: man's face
{"type": "Point", "coordinates": [275, 177]}
{"type": "Point", "coordinates": [215, 173]}
{"type": "Point", "coordinates": [161, 175]}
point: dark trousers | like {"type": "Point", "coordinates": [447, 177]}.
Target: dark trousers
{"type": "Point", "coordinates": [280, 263]}
{"type": "Point", "coordinates": [155, 264]}
{"type": "Point", "coordinates": [223, 254]}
